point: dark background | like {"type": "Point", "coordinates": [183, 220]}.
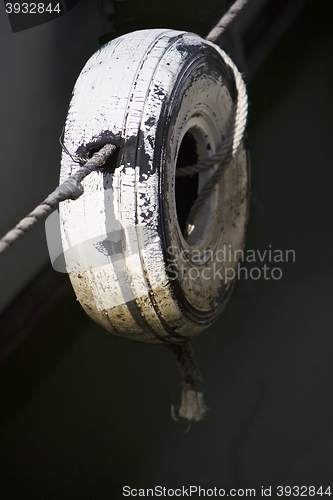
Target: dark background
{"type": "Point", "coordinates": [83, 413]}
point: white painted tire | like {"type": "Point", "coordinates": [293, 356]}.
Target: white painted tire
{"type": "Point", "coordinates": [164, 97]}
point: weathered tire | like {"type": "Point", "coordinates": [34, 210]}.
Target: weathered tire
{"type": "Point", "coordinates": [164, 97]}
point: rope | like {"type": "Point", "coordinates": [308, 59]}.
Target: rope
{"type": "Point", "coordinates": [205, 164]}
{"type": "Point", "coordinates": [226, 20]}
{"type": "Point", "coordinates": [229, 146]}
{"type": "Point", "coordinates": [192, 407]}
{"type": "Point", "coordinates": [213, 37]}
{"type": "Point", "coordinates": [71, 189]}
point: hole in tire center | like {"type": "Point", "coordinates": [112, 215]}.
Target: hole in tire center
{"type": "Point", "coordinates": [186, 188]}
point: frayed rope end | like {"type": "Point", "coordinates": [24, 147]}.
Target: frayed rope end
{"type": "Point", "coordinates": [192, 407]}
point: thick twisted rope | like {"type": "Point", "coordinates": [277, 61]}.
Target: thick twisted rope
{"type": "Point", "coordinates": [229, 146]}
{"type": "Point", "coordinates": [192, 407]}
{"type": "Point", "coordinates": [236, 127]}
{"type": "Point", "coordinates": [226, 20]}
{"type": "Point", "coordinates": [71, 189]}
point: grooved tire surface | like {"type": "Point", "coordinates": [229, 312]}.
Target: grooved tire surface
{"type": "Point", "coordinates": [164, 98]}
